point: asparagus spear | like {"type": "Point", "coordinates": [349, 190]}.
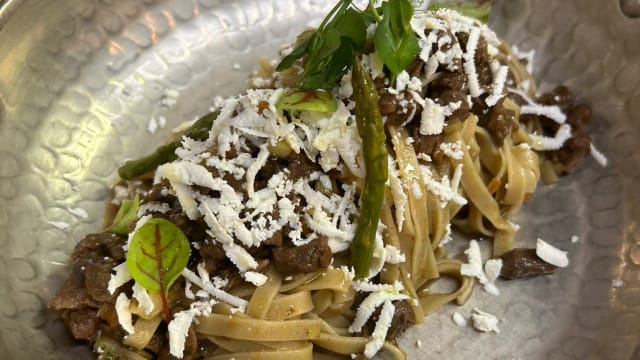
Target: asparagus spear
{"type": "Point", "coordinates": [198, 131]}
{"type": "Point", "coordinates": [371, 130]}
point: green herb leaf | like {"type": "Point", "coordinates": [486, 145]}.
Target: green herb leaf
{"type": "Point", "coordinates": [158, 253]}
{"type": "Point", "coordinates": [296, 54]}
{"type": "Point", "coordinates": [477, 10]}
{"type": "Point", "coordinates": [330, 49]}
{"type": "Point", "coordinates": [395, 42]}
{"type": "Point", "coordinates": [126, 215]}
{"type": "Point", "coordinates": [313, 100]}
{"type": "Point", "coordinates": [352, 26]}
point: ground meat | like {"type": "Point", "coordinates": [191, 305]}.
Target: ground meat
{"type": "Point", "coordinates": [578, 146]}
{"type": "Point", "coordinates": [524, 263]}
{"type": "Point", "coordinates": [306, 258]}
{"type": "Point", "coordinates": [483, 66]}
{"type": "Point", "coordinates": [95, 247]}
{"type": "Point", "coordinates": [579, 117]}
{"type": "Point", "coordinates": [83, 324]}
{"type": "Point", "coordinates": [155, 344]}
{"type": "Point", "coordinates": [97, 278]}
{"type": "Point", "coordinates": [481, 60]}
{"type": "Point", "coordinates": [480, 109]}
{"type": "Point", "coordinates": [194, 230]}
{"type": "Point", "coordinates": [426, 144]}
{"type": "Point", "coordinates": [387, 103]}
{"type": "Point", "coordinates": [91, 260]}
{"type": "Point", "coordinates": [401, 114]}
{"type": "Point", "coordinates": [454, 96]}
{"type": "Point", "coordinates": [300, 166]}
{"type": "Point", "coordinates": [73, 295]}
{"type": "Point", "coordinates": [212, 254]}
{"type": "Point", "coordinates": [500, 122]}
{"type": "Point", "coordinates": [276, 239]}
{"type": "Point", "coordinates": [108, 313]}
{"type": "Point", "coordinates": [415, 68]}
{"type": "Point", "coordinates": [561, 96]}
{"type": "Point", "coordinates": [156, 192]}
{"type": "Point", "coordinates": [273, 166]}
{"type": "Point", "coordinates": [448, 81]}
{"type": "Point", "coordinates": [402, 320]}
{"type": "Point", "coordinates": [573, 152]}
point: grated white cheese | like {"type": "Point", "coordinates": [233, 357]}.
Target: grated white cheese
{"type": "Point", "coordinates": [393, 255]}
{"type": "Point", "coordinates": [216, 292]}
{"type": "Point", "coordinates": [474, 268]}
{"type": "Point", "coordinates": [119, 278]}
{"type": "Point", "coordinates": [526, 55]}
{"type": "Point", "coordinates": [181, 174]}
{"type": "Point", "coordinates": [497, 87]}
{"type": "Point", "coordinates": [346, 89]}
{"type": "Point", "coordinates": [551, 255]}
{"type": "Point", "coordinates": [553, 112]}
{"type": "Point", "coordinates": [125, 317]}
{"type": "Point", "coordinates": [150, 207]}
{"type": "Point", "coordinates": [444, 189]}
{"type": "Point", "coordinates": [143, 298]}
{"type": "Point", "coordinates": [474, 265]}
{"type": "Point", "coordinates": [381, 329]}
{"type": "Point", "coordinates": [484, 321]}
{"type": "Point", "coordinates": [459, 319]}
{"type": "Point", "coordinates": [598, 156]}
{"type": "Point", "coordinates": [380, 293]}
{"type": "Point", "coordinates": [492, 269]}
{"type": "Point", "coordinates": [178, 330]}
{"type": "Point", "coordinates": [447, 237]}
{"type": "Point", "coordinates": [469, 63]}
{"type": "Point", "coordinates": [552, 143]}
{"type": "Point", "coordinates": [187, 290]}
{"type": "Point", "coordinates": [432, 118]}
{"type": "Point", "coordinates": [452, 150]}
{"type": "Point", "coordinates": [256, 278]}
{"type": "Point", "coordinates": [255, 167]}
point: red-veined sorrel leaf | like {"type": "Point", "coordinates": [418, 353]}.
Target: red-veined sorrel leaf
{"type": "Point", "coordinates": [312, 100]}
{"type": "Point", "coordinates": [158, 253]}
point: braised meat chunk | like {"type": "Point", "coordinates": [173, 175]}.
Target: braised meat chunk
{"type": "Point", "coordinates": [300, 259]}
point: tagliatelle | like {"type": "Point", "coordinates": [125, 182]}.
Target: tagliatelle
{"type": "Point", "coordinates": [269, 197]}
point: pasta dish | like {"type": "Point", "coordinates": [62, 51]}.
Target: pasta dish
{"type": "Point", "coordinates": [308, 217]}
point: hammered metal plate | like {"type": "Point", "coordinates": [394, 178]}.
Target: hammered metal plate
{"type": "Point", "coordinates": [81, 79]}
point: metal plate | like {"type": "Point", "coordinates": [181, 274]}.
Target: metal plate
{"type": "Point", "coordinates": [80, 80]}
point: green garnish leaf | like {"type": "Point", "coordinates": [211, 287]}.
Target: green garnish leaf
{"type": "Point", "coordinates": [126, 215]}
{"type": "Point", "coordinates": [158, 253]}
{"type": "Point", "coordinates": [296, 54]}
{"type": "Point", "coordinates": [477, 10]}
{"type": "Point", "coordinates": [312, 100]}
{"type": "Point", "coordinates": [395, 42]}
{"type": "Point", "coordinates": [330, 48]}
